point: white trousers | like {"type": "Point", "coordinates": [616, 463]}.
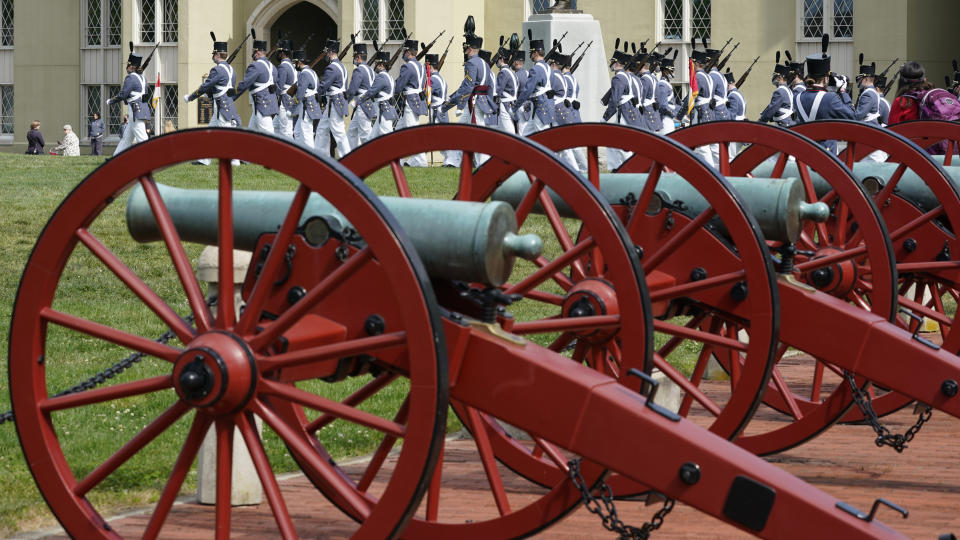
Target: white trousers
{"type": "Point", "coordinates": [668, 126]}
{"type": "Point", "coordinates": [535, 125]}
{"type": "Point", "coordinates": [136, 132]}
{"type": "Point", "coordinates": [616, 156]}
{"type": "Point", "coordinates": [878, 156]}
{"type": "Point", "coordinates": [710, 154]}
{"type": "Point", "coordinates": [360, 127]}
{"type": "Point", "coordinates": [506, 121]}
{"type": "Point", "coordinates": [331, 124]}
{"type": "Point", "coordinates": [283, 123]}
{"type": "Point", "coordinates": [261, 123]}
{"type": "Point", "coordinates": [455, 157]}
{"type": "Point", "coordinates": [216, 121]}
{"type": "Point", "coordinates": [381, 126]}
{"type": "Point", "coordinates": [409, 119]}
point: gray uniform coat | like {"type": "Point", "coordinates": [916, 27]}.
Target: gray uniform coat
{"type": "Point", "coordinates": [382, 90]}
{"type": "Point", "coordinates": [333, 85]}
{"type": "Point", "coordinates": [360, 81]}
{"type": "Point", "coordinates": [286, 77]}
{"type": "Point", "coordinates": [535, 89]}
{"type": "Point", "coordinates": [135, 84]}
{"type": "Point", "coordinates": [259, 80]}
{"type": "Point", "coordinates": [307, 83]}
{"type": "Point", "coordinates": [621, 94]}
{"type": "Point", "coordinates": [410, 84]}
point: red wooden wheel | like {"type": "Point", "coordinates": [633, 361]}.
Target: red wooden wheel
{"type": "Point", "coordinates": [808, 411]}
{"type": "Point", "coordinates": [926, 133]}
{"type": "Point", "coordinates": [571, 272]}
{"type": "Point", "coordinates": [224, 371]}
{"type": "Point", "coordinates": [714, 321]}
{"type": "Point", "coordinates": [920, 230]}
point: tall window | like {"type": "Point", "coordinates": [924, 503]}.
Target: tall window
{"type": "Point", "coordinates": [171, 105]}
{"type": "Point", "coordinates": [381, 20]}
{"type": "Point", "coordinates": [832, 17]}
{"type": "Point", "coordinates": [6, 109]}
{"type": "Point", "coordinates": [114, 116]}
{"type": "Point", "coordinates": [683, 20]}
{"type": "Point", "coordinates": [95, 101]}
{"type": "Point", "coordinates": [159, 15]}
{"type": "Point", "coordinates": [6, 23]}
{"type": "Point", "coordinates": [103, 18]}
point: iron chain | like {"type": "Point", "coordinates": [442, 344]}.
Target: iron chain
{"type": "Point", "coordinates": [884, 436]}
{"type": "Point", "coordinates": [608, 511]}
{"type": "Point", "coordinates": [112, 371]}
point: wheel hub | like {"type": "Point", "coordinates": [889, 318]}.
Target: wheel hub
{"type": "Point", "coordinates": [589, 297]}
{"type": "Point", "coordinates": [216, 372]}
{"type": "Point", "coordinates": [836, 279]}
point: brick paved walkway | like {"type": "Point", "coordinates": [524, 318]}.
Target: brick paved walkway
{"type": "Point", "coordinates": [844, 462]}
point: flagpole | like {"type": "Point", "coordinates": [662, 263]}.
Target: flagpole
{"type": "Point", "coordinates": [158, 120]}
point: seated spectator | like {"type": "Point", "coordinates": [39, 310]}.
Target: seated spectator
{"type": "Point", "coordinates": [71, 143]}
{"type": "Point", "coordinates": [35, 139]}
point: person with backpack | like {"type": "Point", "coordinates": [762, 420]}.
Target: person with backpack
{"type": "Point", "coordinates": [917, 99]}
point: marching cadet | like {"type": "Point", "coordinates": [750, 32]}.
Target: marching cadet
{"type": "Point", "coordinates": [381, 92]}
{"type": "Point", "coordinates": [410, 85]}
{"type": "Point", "coordinates": [477, 88]}
{"type": "Point", "coordinates": [666, 100]}
{"type": "Point", "coordinates": [286, 77]}
{"type": "Point", "coordinates": [881, 84]}
{"type": "Point", "coordinates": [559, 87]}
{"type": "Point", "coordinates": [364, 112]}
{"type": "Point", "coordinates": [719, 82]}
{"type": "Point", "coordinates": [704, 103]}
{"type": "Point", "coordinates": [309, 112]}
{"type": "Point", "coordinates": [780, 109]}
{"type": "Point", "coordinates": [636, 88]}
{"type": "Point", "coordinates": [573, 97]}
{"type": "Point", "coordinates": [332, 87]}
{"type": "Point", "coordinates": [816, 103]}
{"type": "Point", "coordinates": [438, 97]}
{"type": "Point", "coordinates": [522, 110]}
{"type": "Point", "coordinates": [508, 87]}
{"type": "Point", "coordinates": [132, 94]}
{"type": "Point", "coordinates": [868, 103]}
{"type": "Point", "coordinates": [646, 98]}
{"type": "Point", "coordinates": [796, 76]}
{"type": "Point", "coordinates": [619, 105]}
{"type": "Point", "coordinates": [219, 86]}
{"type": "Point", "coordinates": [259, 80]}
{"type": "Point", "coordinates": [736, 108]}
{"type": "Point", "coordinates": [536, 90]}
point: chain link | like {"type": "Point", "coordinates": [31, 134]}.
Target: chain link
{"type": "Point", "coordinates": [884, 436]}
{"type": "Point", "coordinates": [610, 520]}
{"type": "Point", "coordinates": [112, 371]}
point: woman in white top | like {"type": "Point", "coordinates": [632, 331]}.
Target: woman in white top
{"type": "Point", "coordinates": [71, 143]}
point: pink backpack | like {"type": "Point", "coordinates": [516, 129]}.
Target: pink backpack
{"type": "Point", "coordinates": [939, 104]}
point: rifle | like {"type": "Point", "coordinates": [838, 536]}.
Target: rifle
{"type": "Point", "coordinates": [574, 53]}
{"type": "Point", "coordinates": [444, 57]}
{"type": "Point", "coordinates": [715, 61]}
{"type": "Point", "coordinates": [253, 34]}
{"type": "Point", "coordinates": [743, 77]}
{"type": "Point", "coordinates": [149, 57]}
{"type": "Point", "coordinates": [556, 45]}
{"type": "Point", "coordinates": [576, 64]}
{"type": "Point", "coordinates": [292, 91]}
{"type": "Point", "coordinates": [727, 57]}
{"type": "Point", "coordinates": [427, 48]}
{"type": "Point", "coordinates": [393, 59]}
{"type": "Point", "coordinates": [353, 39]}
{"type": "Point", "coordinates": [496, 57]}
{"type": "Point", "coordinates": [884, 72]}
{"type": "Point", "coordinates": [641, 56]}
{"type": "Point", "coordinates": [280, 36]}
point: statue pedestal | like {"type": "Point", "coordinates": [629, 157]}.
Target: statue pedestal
{"type": "Point", "coordinates": [593, 74]}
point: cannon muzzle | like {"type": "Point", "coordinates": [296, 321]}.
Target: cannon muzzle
{"type": "Point", "coordinates": [465, 241]}
{"type": "Point", "coordinates": [777, 204]}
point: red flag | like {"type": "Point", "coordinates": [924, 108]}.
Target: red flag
{"type": "Point", "coordinates": [693, 86]}
{"type": "Point", "coordinates": [157, 130]}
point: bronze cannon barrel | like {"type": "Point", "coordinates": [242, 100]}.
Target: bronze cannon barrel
{"type": "Point", "coordinates": [466, 241]}
{"type": "Point", "coordinates": [777, 204]}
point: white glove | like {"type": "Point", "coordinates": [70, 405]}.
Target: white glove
{"type": "Point", "coordinates": [110, 101]}
{"type": "Point", "coordinates": [186, 98]}
{"type": "Point", "coordinates": [842, 83]}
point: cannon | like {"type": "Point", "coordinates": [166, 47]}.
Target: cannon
{"type": "Point", "coordinates": [373, 304]}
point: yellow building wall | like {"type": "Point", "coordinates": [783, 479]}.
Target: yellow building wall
{"type": "Point", "coordinates": [932, 36]}
{"type": "Point", "coordinates": [197, 20]}
{"type": "Point", "coordinates": [46, 68]}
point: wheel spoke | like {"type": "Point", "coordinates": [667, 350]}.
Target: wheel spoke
{"type": "Point", "coordinates": [906, 228]}
{"type": "Point", "coordinates": [833, 258]}
{"type": "Point", "coordinates": [646, 195]}
{"type": "Point", "coordinates": [189, 451]}
{"type": "Point", "coordinates": [697, 376]}
{"type": "Point", "coordinates": [316, 294]}
{"type": "Point", "coordinates": [329, 406]}
{"type": "Point", "coordinates": [113, 335]}
{"type": "Point", "coordinates": [593, 166]}
{"type": "Point", "coordinates": [685, 385]}
{"type": "Point", "coordinates": [133, 282]}
{"type": "Point", "coordinates": [179, 257]}
{"type": "Point", "coordinates": [488, 460]}
{"type": "Point", "coordinates": [670, 246]}
{"type": "Point", "coordinates": [465, 186]}
{"type": "Point", "coordinates": [99, 395]}
{"type": "Point", "coordinates": [539, 296]}
{"type": "Point", "coordinates": [560, 231]}
{"type": "Point", "coordinates": [567, 324]}
{"type": "Point", "coordinates": [811, 196]}
{"type": "Point", "coordinates": [400, 179]}
{"type": "Point", "coordinates": [310, 458]}
{"type": "Point", "coordinates": [891, 184]}
{"type": "Point", "coordinates": [781, 164]}
{"type": "Point", "coordinates": [699, 335]}
{"type": "Point", "coordinates": [667, 348]}
{"type": "Point", "coordinates": [387, 444]}
{"type": "Point", "coordinates": [226, 312]}
{"type": "Point", "coordinates": [850, 155]}
{"type": "Point", "coordinates": [224, 499]}
{"type": "Point", "coordinates": [561, 342]}
{"type": "Point", "coordinates": [786, 394]}
{"type": "Point", "coordinates": [134, 445]}
{"type": "Point", "coordinates": [333, 351]}
{"type": "Point", "coordinates": [433, 493]}
{"type": "Point", "coordinates": [688, 289]}
{"type": "Point", "coordinates": [271, 268]}
{"type": "Point", "coordinates": [354, 399]}
{"type": "Point", "coordinates": [544, 273]}
{"type": "Point", "coordinates": [267, 479]}
{"type": "Point", "coordinates": [529, 200]}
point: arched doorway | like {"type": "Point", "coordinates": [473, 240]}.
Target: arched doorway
{"type": "Point", "coordinates": [299, 18]}
{"type": "Point", "coordinates": [302, 20]}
